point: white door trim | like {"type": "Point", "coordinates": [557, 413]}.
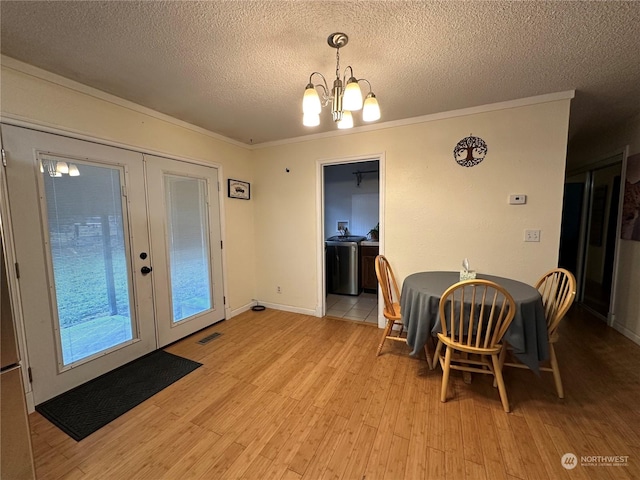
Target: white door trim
{"type": "Point", "coordinates": [320, 257]}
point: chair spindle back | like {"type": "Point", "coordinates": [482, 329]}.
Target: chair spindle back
{"type": "Point", "coordinates": [485, 318]}
{"type": "Point", "coordinates": [558, 290]}
{"type": "Point", "coordinates": [388, 285]}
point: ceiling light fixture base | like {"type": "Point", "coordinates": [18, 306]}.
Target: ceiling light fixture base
{"type": "Point", "coordinates": [337, 40]}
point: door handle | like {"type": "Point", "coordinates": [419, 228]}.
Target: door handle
{"type": "Point", "coordinates": [144, 270]}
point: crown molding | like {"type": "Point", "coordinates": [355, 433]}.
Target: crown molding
{"type": "Point", "coordinates": [521, 102]}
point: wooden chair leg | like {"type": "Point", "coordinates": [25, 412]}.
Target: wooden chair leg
{"type": "Point", "coordinates": [503, 354]}
{"type": "Point", "coordinates": [430, 360]}
{"type": "Point", "coordinates": [445, 375]}
{"type": "Point", "coordinates": [387, 331]}
{"type": "Point", "coordinates": [436, 355]}
{"type": "Point", "coordinates": [501, 388]}
{"type": "Point", "coordinates": [556, 371]}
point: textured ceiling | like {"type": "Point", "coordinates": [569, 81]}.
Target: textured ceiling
{"type": "Point", "coordinates": [239, 68]}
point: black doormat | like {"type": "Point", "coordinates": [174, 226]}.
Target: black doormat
{"type": "Point", "coordinates": [89, 407]}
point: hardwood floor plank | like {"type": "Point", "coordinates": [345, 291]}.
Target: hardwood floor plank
{"type": "Point", "coordinates": [471, 440]}
{"type": "Point", "coordinates": [326, 449]}
{"type": "Point", "coordinates": [290, 475]}
{"type": "Point", "coordinates": [532, 460]}
{"type": "Point", "coordinates": [417, 455]}
{"type": "Point", "coordinates": [602, 447]}
{"type": "Point", "coordinates": [493, 458]}
{"type": "Point", "coordinates": [397, 461]}
{"type": "Point", "coordinates": [223, 462]}
{"type": "Point", "coordinates": [381, 377]}
{"type": "Point", "coordinates": [307, 450]}
{"type": "Point", "coordinates": [508, 444]}
{"type": "Point", "coordinates": [563, 446]}
{"type": "Point", "coordinates": [257, 468]}
{"type": "Point", "coordinates": [290, 448]}
{"type": "Point", "coordinates": [293, 424]}
{"type": "Point", "coordinates": [473, 471]}
{"type": "Point", "coordinates": [360, 454]}
{"type": "Point", "coordinates": [344, 448]}
{"type": "Point", "coordinates": [436, 464]}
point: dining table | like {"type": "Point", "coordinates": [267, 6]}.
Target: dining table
{"type": "Point", "coordinates": [526, 336]}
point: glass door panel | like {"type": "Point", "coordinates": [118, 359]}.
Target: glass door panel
{"type": "Point", "coordinates": [188, 245]}
{"type": "Point", "coordinates": [184, 218]}
{"type": "Point", "coordinates": [87, 245]}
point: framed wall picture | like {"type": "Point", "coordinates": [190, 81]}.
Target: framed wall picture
{"type": "Point", "coordinates": [239, 189]}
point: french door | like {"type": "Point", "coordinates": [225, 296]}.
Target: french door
{"type": "Point", "coordinates": [110, 245]}
{"type": "Point", "coordinates": [185, 245]}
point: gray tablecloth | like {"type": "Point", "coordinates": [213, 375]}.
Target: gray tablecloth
{"type": "Point", "coordinates": [527, 334]}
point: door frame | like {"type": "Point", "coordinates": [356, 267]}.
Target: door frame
{"type": "Point", "coordinates": [13, 284]}
{"type": "Point", "coordinates": [321, 304]}
{"type": "Point", "coordinates": [74, 134]}
{"type": "Point", "coordinates": [587, 169]}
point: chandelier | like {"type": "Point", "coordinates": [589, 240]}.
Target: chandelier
{"type": "Point", "coordinates": [345, 96]}
{"type": "Point", "coordinates": [56, 168]}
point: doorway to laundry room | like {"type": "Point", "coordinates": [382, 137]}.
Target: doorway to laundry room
{"type": "Point", "coordinates": [351, 238]}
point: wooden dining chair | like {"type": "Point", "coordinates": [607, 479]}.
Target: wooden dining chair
{"type": "Point", "coordinates": [391, 296]}
{"type": "Point", "coordinates": [391, 312]}
{"type": "Point", "coordinates": [474, 316]}
{"type": "Point", "coordinates": [558, 290]}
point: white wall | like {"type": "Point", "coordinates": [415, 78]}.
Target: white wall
{"type": "Point", "coordinates": [436, 212]}
{"type": "Point", "coordinates": [50, 101]}
{"type": "Point", "coordinates": [627, 300]}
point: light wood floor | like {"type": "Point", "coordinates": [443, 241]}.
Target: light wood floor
{"type": "Point", "coordinates": [287, 396]}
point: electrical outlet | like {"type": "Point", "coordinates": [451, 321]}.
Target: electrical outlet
{"type": "Point", "coordinates": [278, 289]}
{"type": "Point", "coordinates": [532, 235]}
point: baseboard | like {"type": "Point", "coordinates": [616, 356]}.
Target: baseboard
{"type": "Point", "coordinates": [289, 308]}
{"type": "Point", "coordinates": [238, 311]}
{"type": "Point", "coordinates": [631, 335]}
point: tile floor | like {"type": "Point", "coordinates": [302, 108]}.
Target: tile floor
{"type": "Point", "coordinates": [363, 308]}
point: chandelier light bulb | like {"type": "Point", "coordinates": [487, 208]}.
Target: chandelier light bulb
{"type": "Point", "coordinates": [347, 120]}
{"type": "Point", "coordinates": [311, 119]}
{"type": "Point", "coordinates": [62, 167]}
{"type": "Point", "coordinates": [352, 99]}
{"type": "Point", "coordinates": [73, 170]}
{"type": "Point", "coordinates": [311, 101]}
{"type": "Point", "coordinates": [371, 109]}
